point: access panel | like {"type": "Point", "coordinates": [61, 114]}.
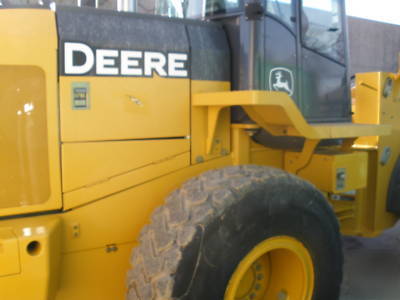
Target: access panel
{"type": "Point", "coordinates": [122, 76]}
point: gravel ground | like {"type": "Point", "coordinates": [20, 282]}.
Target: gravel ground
{"type": "Point", "coordinates": [372, 267]}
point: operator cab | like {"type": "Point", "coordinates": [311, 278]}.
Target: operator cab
{"type": "Point", "coordinates": [297, 47]}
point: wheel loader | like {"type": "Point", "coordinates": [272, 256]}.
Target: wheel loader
{"type": "Point", "coordinates": [210, 150]}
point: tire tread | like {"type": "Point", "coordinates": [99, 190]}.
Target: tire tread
{"type": "Point", "coordinates": [155, 260]}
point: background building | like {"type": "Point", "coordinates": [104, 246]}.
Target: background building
{"type": "Point", "coordinates": [373, 45]}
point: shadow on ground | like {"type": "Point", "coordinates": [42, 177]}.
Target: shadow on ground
{"type": "Point", "coordinates": [372, 267]}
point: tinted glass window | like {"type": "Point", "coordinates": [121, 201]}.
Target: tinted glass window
{"type": "Point", "coordinates": [322, 27]}
{"type": "Point", "coordinates": [214, 7]}
{"type": "Point", "coordinates": [282, 9]}
{"type": "Point", "coordinates": [195, 9]}
{"type": "Point", "coordinates": [169, 8]}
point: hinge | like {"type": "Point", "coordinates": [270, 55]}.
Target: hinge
{"type": "Point", "coordinates": [254, 11]}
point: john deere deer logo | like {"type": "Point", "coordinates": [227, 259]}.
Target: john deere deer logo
{"type": "Point", "coordinates": [281, 80]}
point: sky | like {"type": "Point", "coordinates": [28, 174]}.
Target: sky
{"type": "Point", "coordinates": [387, 11]}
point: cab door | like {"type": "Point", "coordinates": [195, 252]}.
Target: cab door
{"type": "Point", "coordinates": [324, 81]}
{"type": "Point", "coordinates": [280, 45]}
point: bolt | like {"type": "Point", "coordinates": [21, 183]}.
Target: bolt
{"type": "Point", "coordinates": [76, 230]}
{"type": "Point", "coordinates": [199, 159]}
{"type": "Point", "coordinates": [260, 276]}
{"type": "Point", "coordinates": [257, 287]}
{"type": "Point", "coordinates": [282, 295]}
{"type": "Point", "coordinates": [224, 152]}
{"type": "Point", "coordinates": [258, 267]}
{"type": "Point", "coordinates": [111, 248]}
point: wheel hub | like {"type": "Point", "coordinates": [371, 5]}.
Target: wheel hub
{"type": "Point", "coordinates": [279, 268]}
{"type": "Point", "coordinates": [254, 282]}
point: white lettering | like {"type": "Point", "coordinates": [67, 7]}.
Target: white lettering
{"type": "Point", "coordinates": [105, 64]}
{"type": "Point", "coordinates": [154, 61]}
{"type": "Point", "coordinates": [176, 65]}
{"type": "Point", "coordinates": [80, 59]}
{"type": "Point", "coordinates": [70, 66]}
{"type": "Point", "coordinates": [130, 63]}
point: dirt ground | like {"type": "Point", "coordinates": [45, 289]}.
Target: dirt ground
{"type": "Point", "coordinates": [372, 267]}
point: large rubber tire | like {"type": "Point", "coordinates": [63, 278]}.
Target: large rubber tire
{"type": "Point", "coordinates": [197, 239]}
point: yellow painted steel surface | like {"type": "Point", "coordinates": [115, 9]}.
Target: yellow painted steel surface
{"type": "Point", "coordinates": [266, 156]}
{"type": "Point", "coordinates": [277, 268]}
{"type": "Point", "coordinates": [277, 113]}
{"type": "Point", "coordinates": [9, 253]}
{"type": "Point", "coordinates": [115, 220]}
{"type": "Point", "coordinates": [38, 247]}
{"type": "Point", "coordinates": [246, 151]}
{"type": "Point", "coordinates": [367, 105]}
{"type": "Point", "coordinates": [323, 170]}
{"type": "Point", "coordinates": [96, 240]}
{"type": "Point", "coordinates": [110, 167]}
{"type": "Point", "coordinates": [24, 173]}
{"type": "Point", "coordinates": [29, 154]}
{"type": "Point", "coordinates": [373, 107]}
{"type": "Point", "coordinates": [220, 143]}
{"type": "Point", "coordinates": [98, 274]}
{"type": "Point", "coordinates": [126, 108]}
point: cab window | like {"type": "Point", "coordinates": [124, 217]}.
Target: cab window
{"type": "Point", "coordinates": [281, 9]}
{"type": "Point", "coordinates": [322, 28]}
{"type": "Point", "coordinates": [221, 6]}
{"type": "Point", "coordinates": [194, 9]}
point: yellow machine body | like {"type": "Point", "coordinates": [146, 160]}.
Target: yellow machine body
{"type": "Point", "coordinates": [74, 201]}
